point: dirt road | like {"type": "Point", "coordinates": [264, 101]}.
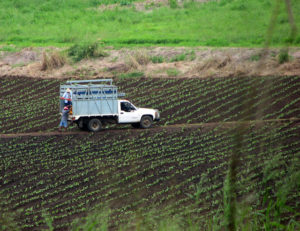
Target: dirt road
{"type": "Point", "coordinates": [156, 128]}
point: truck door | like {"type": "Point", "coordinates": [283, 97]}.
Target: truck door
{"type": "Point", "coordinates": [128, 113]}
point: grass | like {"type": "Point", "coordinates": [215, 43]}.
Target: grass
{"type": "Point", "coordinates": [180, 57]}
{"type": "Point", "coordinates": [9, 48]}
{"type": "Point", "coordinates": [255, 57]}
{"type": "Point", "coordinates": [135, 74]}
{"type": "Point", "coordinates": [172, 72]}
{"type": "Point", "coordinates": [157, 59]}
{"type": "Point", "coordinates": [18, 65]}
{"type": "Point", "coordinates": [85, 50]}
{"type": "Point", "coordinates": [283, 56]}
{"type": "Point", "coordinates": [53, 60]}
{"type": "Point", "coordinates": [216, 23]}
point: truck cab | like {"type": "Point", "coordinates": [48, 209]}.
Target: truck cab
{"type": "Point", "coordinates": [96, 103]}
{"type": "Point", "coordinates": [138, 117]}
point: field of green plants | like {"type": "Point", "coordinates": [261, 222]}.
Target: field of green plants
{"type": "Point", "coordinates": [31, 105]}
{"type": "Point", "coordinates": [139, 179]}
{"type": "Point", "coordinates": [214, 23]}
{"type": "Point", "coordinates": [165, 172]}
{"type": "Point", "coordinates": [225, 155]}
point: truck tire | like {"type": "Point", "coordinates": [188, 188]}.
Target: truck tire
{"type": "Point", "coordinates": [136, 125]}
{"type": "Point", "coordinates": [94, 125]}
{"type": "Point", "coordinates": [146, 122]}
{"type": "Point", "coordinates": [81, 125]}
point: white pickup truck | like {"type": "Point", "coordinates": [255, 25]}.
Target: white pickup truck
{"type": "Point", "coordinates": [95, 104]}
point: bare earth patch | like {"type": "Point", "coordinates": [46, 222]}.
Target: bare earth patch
{"type": "Point", "coordinates": [157, 62]}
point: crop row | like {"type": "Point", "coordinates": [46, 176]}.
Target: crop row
{"type": "Point", "coordinates": [65, 176]}
{"type": "Point", "coordinates": [32, 105]}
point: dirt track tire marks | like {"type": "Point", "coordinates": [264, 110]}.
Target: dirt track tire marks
{"type": "Point", "coordinates": [155, 128]}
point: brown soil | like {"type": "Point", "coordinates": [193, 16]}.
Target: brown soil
{"type": "Point", "coordinates": [64, 175]}
{"type": "Point", "coordinates": [157, 128]}
{"type": "Point", "coordinates": [198, 62]}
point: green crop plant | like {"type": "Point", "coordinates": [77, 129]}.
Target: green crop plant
{"type": "Point", "coordinates": [158, 168]}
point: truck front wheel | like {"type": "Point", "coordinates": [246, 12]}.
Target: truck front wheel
{"type": "Point", "coordinates": [94, 125]}
{"type": "Point", "coordinates": [146, 122]}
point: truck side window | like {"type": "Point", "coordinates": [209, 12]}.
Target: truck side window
{"type": "Point", "coordinates": [124, 107]}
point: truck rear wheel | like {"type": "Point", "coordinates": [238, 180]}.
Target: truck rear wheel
{"type": "Point", "coordinates": [94, 125]}
{"type": "Point", "coordinates": [146, 122]}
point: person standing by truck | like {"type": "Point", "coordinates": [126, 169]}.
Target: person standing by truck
{"type": "Point", "coordinates": [67, 97]}
{"type": "Point", "coordinates": [64, 119]}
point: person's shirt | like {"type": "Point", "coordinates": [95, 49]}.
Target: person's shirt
{"type": "Point", "coordinates": [67, 95]}
{"type": "Point", "coordinates": [65, 114]}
